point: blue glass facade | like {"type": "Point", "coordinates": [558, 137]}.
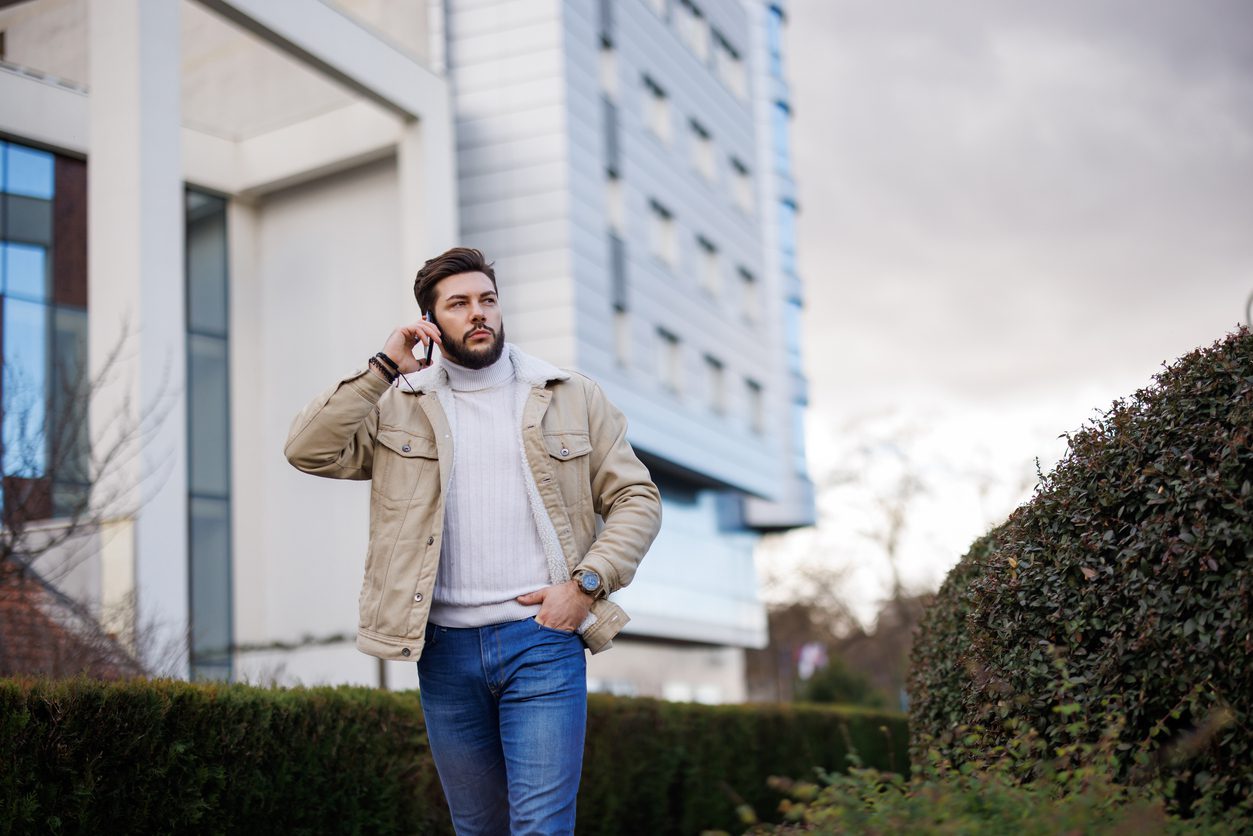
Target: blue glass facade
{"type": "Point", "coordinates": [43, 319]}
{"type": "Point", "coordinates": [780, 127]}
{"type": "Point", "coordinates": [208, 437]}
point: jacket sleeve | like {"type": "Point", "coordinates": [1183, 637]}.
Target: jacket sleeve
{"type": "Point", "coordinates": [334, 435]}
{"type": "Point", "coordinates": [623, 494]}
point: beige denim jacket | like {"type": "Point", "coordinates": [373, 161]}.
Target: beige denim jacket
{"type": "Point", "coordinates": [579, 466]}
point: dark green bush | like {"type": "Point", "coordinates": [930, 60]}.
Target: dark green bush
{"type": "Point", "coordinates": [679, 768]}
{"type": "Point", "coordinates": [837, 683]}
{"type": "Point", "coordinates": [83, 756]}
{"type": "Point", "coordinates": [1074, 782]}
{"type": "Point", "coordinates": [1128, 574]}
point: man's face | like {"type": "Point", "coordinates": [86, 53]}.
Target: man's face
{"type": "Point", "coordinates": [468, 314]}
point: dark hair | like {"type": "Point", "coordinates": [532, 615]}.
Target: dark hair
{"type": "Point", "coordinates": [454, 262]}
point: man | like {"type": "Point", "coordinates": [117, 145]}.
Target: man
{"type": "Point", "coordinates": [485, 565]}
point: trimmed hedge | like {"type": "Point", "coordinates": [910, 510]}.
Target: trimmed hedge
{"type": "Point", "coordinates": [82, 756]}
{"type": "Point", "coordinates": [679, 768]}
{"type": "Point", "coordinates": [1124, 586]}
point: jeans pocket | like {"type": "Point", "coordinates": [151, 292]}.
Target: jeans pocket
{"type": "Point", "coordinates": [431, 636]}
{"type": "Point", "coordinates": [548, 629]}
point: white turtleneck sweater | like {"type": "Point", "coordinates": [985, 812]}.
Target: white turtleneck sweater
{"type": "Point", "coordinates": [491, 551]}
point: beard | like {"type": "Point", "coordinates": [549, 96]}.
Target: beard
{"type": "Point", "coordinates": [480, 357]}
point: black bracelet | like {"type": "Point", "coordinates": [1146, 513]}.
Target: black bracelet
{"type": "Point", "coordinates": [391, 364]}
{"type": "Point", "coordinates": [387, 373]}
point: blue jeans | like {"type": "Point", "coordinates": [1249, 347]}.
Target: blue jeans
{"type": "Point", "coordinates": [506, 711]}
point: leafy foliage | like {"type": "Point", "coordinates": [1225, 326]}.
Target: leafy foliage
{"type": "Point", "coordinates": [1072, 783]}
{"type": "Point", "coordinates": [837, 683]}
{"type": "Point", "coordinates": [83, 756]}
{"type": "Point", "coordinates": [677, 768]}
{"type": "Point", "coordinates": [1131, 569]}
{"type": "Point", "coordinates": [1073, 790]}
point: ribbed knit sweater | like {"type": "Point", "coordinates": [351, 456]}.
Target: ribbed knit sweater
{"type": "Point", "coordinates": [491, 551]}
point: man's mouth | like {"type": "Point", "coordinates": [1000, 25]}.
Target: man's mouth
{"type": "Point", "coordinates": [479, 332]}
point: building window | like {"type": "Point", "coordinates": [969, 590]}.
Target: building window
{"type": "Point", "coordinates": [44, 390]}
{"type": "Point", "coordinates": [710, 269]}
{"type": "Point", "coordinates": [208, 436]}
{"type": "Point", "coordinates": [609, 71]}
{"type": "Point", "coordinates": [715, 384]}
{"type": "Point", "coordinates": [604, 19]}
{"type": "Point", "coordinates": [662, 235]}
{"type": "Point", "coordinates": [798, 437]}
{"type": "Point", "coordinates": [749, 295]}
{"type": "Point", "coordinates": [702, 151]}
{"type": "Point", "coordinates": [657, 110]}
{"type": "Point", "coordinates": [693, 31]}
{"type": "Point", "coordinates": [741, 186]}
{"type": "Point", "coordinates": [774, 40]}
{"type": "Point", "coordinates": [787, 237]}
{"type": "Point", "coordinates": [613, 149]}
{"type": "Point", "coordinates": [792, 310]}
{"type": "Point", "coordinates": [781, 117]}
{"type": "Point", "coordinates": [669, 361]}
{"type": "Point", "coordinates": [756, 406]}
{"type": "Point", "coordinates": [618, 268]}
{"type": "Point", "coordinates": [729, 66]}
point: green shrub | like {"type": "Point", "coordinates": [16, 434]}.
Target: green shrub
{"type": "Point", "coordinates": [1131, 567]}
{"type": "Point", "coordinates": [1026, 785]}
{"type": "Point", "coordinates": [677, 768]}
{"type": "Point", "coordinates": [83, 756]}
{"type": "Point", "coordinates": [837, 683]}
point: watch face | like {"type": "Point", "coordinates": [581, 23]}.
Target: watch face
{"type": "Point", "coordinates": [590, 581]}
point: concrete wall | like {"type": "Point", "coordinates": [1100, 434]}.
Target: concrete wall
{"type": "Point", "coordinates": [338, 167]}
{"type": "Point", "coordinates": [317, 285]}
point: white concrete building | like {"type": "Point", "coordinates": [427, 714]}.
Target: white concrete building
{"type": "Point", "coordinates": [239, 192]}
{"type": "Point", "coordinates": [626, 164]}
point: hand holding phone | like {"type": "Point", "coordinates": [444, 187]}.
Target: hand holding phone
{"type": "Point", "coordinates": [430, 344]}
{"type": "Point", "coordinates": [402, 341]}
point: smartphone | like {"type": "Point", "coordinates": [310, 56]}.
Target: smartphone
{"type": "Point", "coordinates": [430, 344]}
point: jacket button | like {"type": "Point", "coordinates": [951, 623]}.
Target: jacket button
{"type": "Point", "coordinates": [430, 541]}
{"type": "Point", "coordinates": [565, 452]}
{"type": "Point", "coordinates": [417, 597]}
{"type": "Point", "coordinates": [404, 652]}
{"type": "Point", "coordinates": [405, 449]}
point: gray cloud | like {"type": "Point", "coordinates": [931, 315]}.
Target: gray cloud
{"type": "Point", "coordinates": [1018, 199]}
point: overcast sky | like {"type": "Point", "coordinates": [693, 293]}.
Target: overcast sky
{"type": "Point", "coordinates": [1011, 213]}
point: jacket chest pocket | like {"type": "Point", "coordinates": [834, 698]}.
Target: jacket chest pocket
{"type": "Point", "coordinates": [404, 464]}
{"type": "Point", "coordinates": [569, 453]}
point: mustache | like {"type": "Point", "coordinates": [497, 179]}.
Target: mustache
{"type": "Point", "coordinates": [475, 329]}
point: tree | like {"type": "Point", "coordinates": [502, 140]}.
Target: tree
{"type": "Point", "coordinates": [58, 491]}
{"type": "Point", "coordinates": [838, 683]}
{"type": "Point", "coordinates": [869, 505]}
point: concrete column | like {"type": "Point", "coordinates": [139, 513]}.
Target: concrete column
{"type": "Point", "coordinates": [252, 527]}
{"type": "Point", "coordinates": [135, 229]}
{"type": "Point", "coordinates": [427, 174]}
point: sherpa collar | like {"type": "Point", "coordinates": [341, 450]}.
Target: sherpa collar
{"type": "Point", "coordinates": [527, 369]}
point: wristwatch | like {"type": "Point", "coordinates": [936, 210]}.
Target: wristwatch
{"type": "Point", "coordinates": [589, 581]}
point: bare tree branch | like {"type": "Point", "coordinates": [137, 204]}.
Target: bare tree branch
{"type": "Point", "coordinates": [60, 492]}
